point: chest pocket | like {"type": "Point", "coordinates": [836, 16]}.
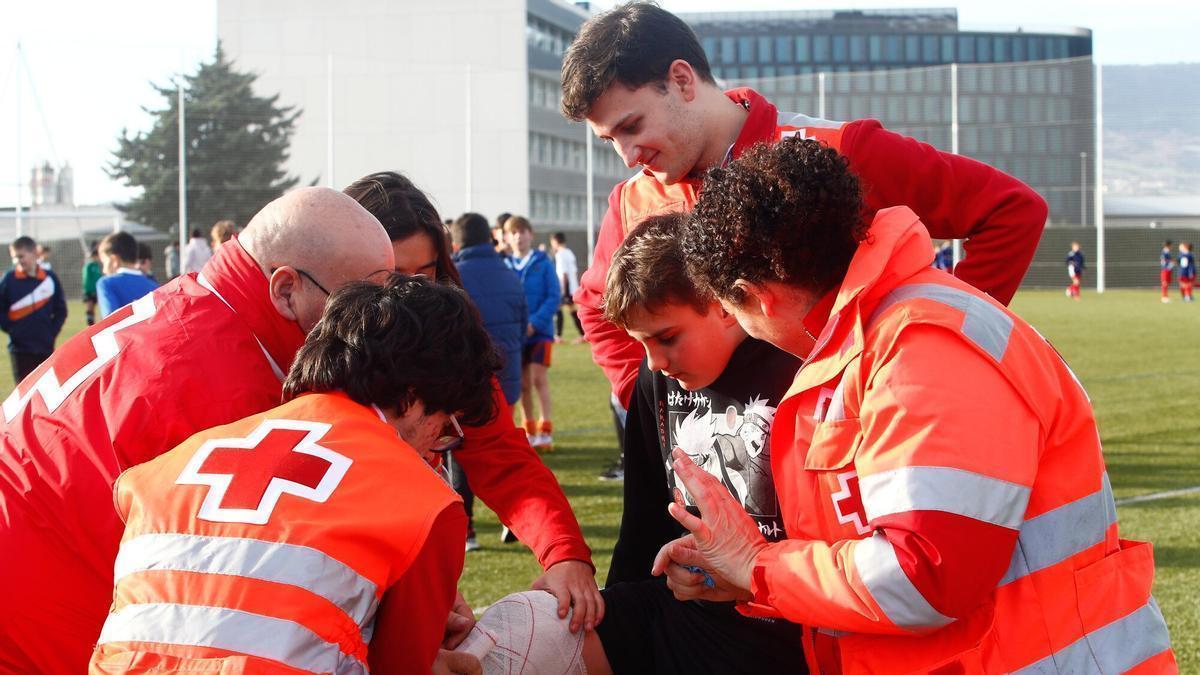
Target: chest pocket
{"type": "Point", "coordinates": [833, 445]}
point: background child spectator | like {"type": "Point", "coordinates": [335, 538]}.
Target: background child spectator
{"type": "Point", "coordinates": [1187, 270]}
{"type": "Point", "coordinates": [33, 308]}
{"type": "Point", "coordinates": [567, 269]}
{"type": "Point", "coordinates": [1075, 266]}
{"type": "Point", "coordinates": [541, 298]}
{"type": "Point", "coordinates": [196, 253]}
{"type": "Point", "coordinates": [90, 275]}
{"type": "Point", "coordinates": [1166, 266]}
{"type": "Point", "coordinates": [123, 281]}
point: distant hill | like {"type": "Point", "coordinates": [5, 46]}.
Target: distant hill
{"type": "Point", "coordinates": [1152, 129]}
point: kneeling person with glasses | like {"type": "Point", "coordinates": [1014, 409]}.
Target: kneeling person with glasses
{"type": "Point", "coordinates": [317, 535]}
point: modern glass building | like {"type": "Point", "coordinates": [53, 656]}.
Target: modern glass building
{"type": "Point", "coordinates": [1022, 98]}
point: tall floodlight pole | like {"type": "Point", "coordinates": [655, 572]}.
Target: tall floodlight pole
{"type": "Point", "coordinates": [17, 79]}
{"type": "Point", "coordinates": [957, 248]}
{"type": "Point", "coordinates": [591, 193]}
{"type": "Point", "coordinates": [330, 182]}
{"type": "Point", "coordinates": [821, 95]}
{"type": "Point", "coordinates": [1082, 189]}
{"type": "Point", "coordinates": [467, 138]}
{"type": "Point", "coordinates": [183, 223]}
{"type": "Point", "coordinates": [1099, 172]}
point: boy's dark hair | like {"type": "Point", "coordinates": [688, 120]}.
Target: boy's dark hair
{"type": "Point", "coordinates": [391, 345]}
{"type": "Point", "coordinates": [471, 229]}
{"type": "Point", "coordinates": [559, 238]}
{"type": "Point", "coordinates": [24, 243]}
{"type": "Point", "coordinates": [144, 252]}
{"type": "Point", "coordinates": [196, 233]}
{"type": "Point", "coordinates": [1167, 243]}
{"type": "Point", "coordinates": [631, 44]}
{"type": "Point", "coordinates": [791, 212]}
{"type": "Point", "coordinates": [502, 218]}
{"type": "Point", "coordinates": [404, 210]}
{"type": "Point", "coordinates": [122, 245]}
{"type": "Point", "coordinates": [648, 271]}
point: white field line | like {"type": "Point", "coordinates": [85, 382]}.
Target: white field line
{"type": "Point", "coordinates": [1159, 495]}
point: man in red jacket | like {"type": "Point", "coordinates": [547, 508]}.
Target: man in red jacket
{"type": "Point", "coordinates": [639, 77]}
{"type": "Point", "coordinates": [204, 350]}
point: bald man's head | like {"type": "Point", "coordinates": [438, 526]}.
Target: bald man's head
{"type": "Point", "coordinates": [311, 242]}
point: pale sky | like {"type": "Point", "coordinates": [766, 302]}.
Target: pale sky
{"type": "Point", "coordinates": [92, 62]}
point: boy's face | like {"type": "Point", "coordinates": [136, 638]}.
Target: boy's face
{"type": "Point", "coordinates": [684, 344]}
{"type": "Point", "coordinates": [109, 264]}
{"type": "Point", "coordinates": [520, 240]}
{"type": "Point", "coordinates": [24, 258]}
{"type": "Point", "coordinates": [649, 128]}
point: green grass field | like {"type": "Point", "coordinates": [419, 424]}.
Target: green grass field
{"type": "Point", "coordinates": [1136, 357]}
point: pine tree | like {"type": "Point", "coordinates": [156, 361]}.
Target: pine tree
{"type": "Point", "coordinates": [236, 145]}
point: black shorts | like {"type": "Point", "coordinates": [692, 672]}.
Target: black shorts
{"type": "Point", "coordinates": [646, 630]}
{"type": "Point", "coordinates": [89, 297]}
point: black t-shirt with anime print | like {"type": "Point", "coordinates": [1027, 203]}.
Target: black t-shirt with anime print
{"type": "Point", "coordinates": [724, 428]}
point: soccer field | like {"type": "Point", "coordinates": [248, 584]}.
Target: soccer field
{"type": "Point", "coordinates": [1136, 357]}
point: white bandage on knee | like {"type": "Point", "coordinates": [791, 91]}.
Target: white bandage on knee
{"type": "Point", "coordinates": [521, 634]}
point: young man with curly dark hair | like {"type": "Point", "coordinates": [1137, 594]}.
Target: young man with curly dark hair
{"type": "Point", "coordinates": [640, 78]}
{"type": "Point", "coordinates": [933, 524]}
{"type": "Point", "coordinates": [317, 534]}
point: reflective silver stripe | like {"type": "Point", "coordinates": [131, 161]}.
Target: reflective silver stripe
{"type": "Point", "coordinates": [984, 324]}
{"type": "Point", "coordinates": [230, 629]}
{"type": "Point", "coordinates": [1058, 534]}
{"type": "Point", "coordinates": [1114, 648]}
{"type": "Point", "coordinates": [299, 566]}
{"type": "Point", "coordinates": [937, 488]}
{"type": "Point", "coordinates": [903, 604]}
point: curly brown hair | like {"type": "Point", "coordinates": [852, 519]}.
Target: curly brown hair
{"type": "Point", "coordinates": [791, 212]}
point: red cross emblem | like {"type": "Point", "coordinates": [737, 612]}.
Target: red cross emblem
{"type": "Point", "coordinates": [847, 502]}
{"type": "Point", "coordinates": [247, 476]}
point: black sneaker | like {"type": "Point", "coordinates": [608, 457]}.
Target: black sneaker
{"type": "Point", "coordinates": [507, 536]}
{"type": "Point", "coordinates": [614, 472]}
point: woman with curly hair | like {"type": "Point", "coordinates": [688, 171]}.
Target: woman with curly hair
{"type": "Point", "coordinates": [934, 523]}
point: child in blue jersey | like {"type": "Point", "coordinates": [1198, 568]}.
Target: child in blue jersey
{"type": "Point", "coordinates": [1074, 270]}
{"type": "Point", "coordinates": [122, 282]}
{"type": "Point", "coordinates": [1187, 270]}
{"type": "Point", "coordinates": [1165, 267]}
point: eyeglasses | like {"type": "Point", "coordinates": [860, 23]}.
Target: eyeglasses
{"type": "Point", "coordinates": [308, 276]}
{"type": "Point", "coordinates": [451, 438]}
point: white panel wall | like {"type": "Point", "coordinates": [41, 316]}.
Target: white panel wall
{"type": "Point", "coordinates": [400, 88]}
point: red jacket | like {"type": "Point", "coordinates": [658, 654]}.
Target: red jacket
{"type": "Point", "coordinates": [956, 197]}
{"type": "Point", "coordinates": [137, 384]}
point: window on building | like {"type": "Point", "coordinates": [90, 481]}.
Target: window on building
{"type": "Point", "coordinates": [858, 48]}
{"type": "Point", "coordinates": [1035, 48]}
{"type": "Point", "coordinates": [1037, 79]}
{"type": "Point", "coordinates": [968, 79]}
{"type": "Point", "coordinates": [862, 82]}
{"type": "Point", "coordinates": [1054, 80]}
{"type": "Point", "coordinates": [983, 49]}
{"type": "Point", "coordinates": [745, 49]}
{"type": "Point", "coordinates": [841, 107]}
{"type": "Point", "coordinates": [859, 107]}
{"type": "Point", "coordinates": [929, 49]}
{"type": "Point", "coordinates": [1006, 139]}
{"type": "Point", "coordinates": [892, 48]}
{"type": "Point", "coordinates": [895, 111]}
{"type": "Point", "coordinates": [966, 109]}
{"type": "Point", "coordinates": [916, 80]}
{"type": "Point", "coordinates": [1000, 108]}
{"type": "Point", "coordinates": [912, 48]}
{"type": "Point", "coordinates": [802, 49]}
{"type": "Point", "coordinates": [765, 54]}
{"type": "Point", "coordinates": [999, 48]}
{"type": "Point", "coordinates": [728, 53]}
{"type": "Point", "coordinates": [749, 72]}
{"type": "Point", "coordinates": [712, 49]}
{"type": "Point", "coordinates": [840, 49]}
{"type": "Point", "coordinates": [948, 49]}
{"type": "Point", "coordinates": [1018, 48]}
{"type": "Point", "coordinates": [820, 45]}
{"type": "Point", "coordinates": [875, 48]}
{"type": "Point", "coordinates": [784, 49]}
{"type": "Point", "coordinates": [966, 49]}
{"type": "Point", "coordinates": [932, 109]}
{"type": "Point", "coordinates": [912, 108]}
{"type": "Point", "coordinates": [987, 79]}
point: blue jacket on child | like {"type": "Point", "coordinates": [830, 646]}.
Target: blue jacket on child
{"type": "Point", "coordinates": [32, 310]}
{"type": "Point", "coordinates": [498, 295]}
{"type": "Point", "coordinates": [542, 292]}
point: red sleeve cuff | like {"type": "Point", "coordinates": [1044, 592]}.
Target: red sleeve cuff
{"type": "Point", "coordinates": [760, 604]}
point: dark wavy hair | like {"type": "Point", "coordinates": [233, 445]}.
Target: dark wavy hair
{"type": "Point", "coordinates": [791, 212]}
{"type": "Point", "coordinates": [410, 339]}
{"type": "Point", "coordinates": [404, 210]}
{"type": "Point", "coordinates": [632, 44]}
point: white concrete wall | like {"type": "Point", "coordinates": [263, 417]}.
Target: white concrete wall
{"type": "Point", "coordinates": [400, 90]}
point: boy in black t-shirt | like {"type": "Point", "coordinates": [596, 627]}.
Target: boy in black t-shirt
{"type": "Point", "coordinates": [708, 388]}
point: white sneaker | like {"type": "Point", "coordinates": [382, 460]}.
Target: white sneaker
{"type": "Point", "coordinates": [472, 544]}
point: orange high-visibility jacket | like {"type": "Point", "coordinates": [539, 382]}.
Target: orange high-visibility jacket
{"type": "Point", "coordinates": [942, 484]}
{"type": "Point", "coordinates": [266, 545]}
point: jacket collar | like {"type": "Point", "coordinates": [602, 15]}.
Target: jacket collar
{"type": "Point", "coordinates": [238, 280]}
{"type": "Point", "coordinates": [40, 274]}
{"type": "Point", "coordinates": [760, 124]}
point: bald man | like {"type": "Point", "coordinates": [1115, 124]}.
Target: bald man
{"type": "Point", "coordinates": [204, 350]}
